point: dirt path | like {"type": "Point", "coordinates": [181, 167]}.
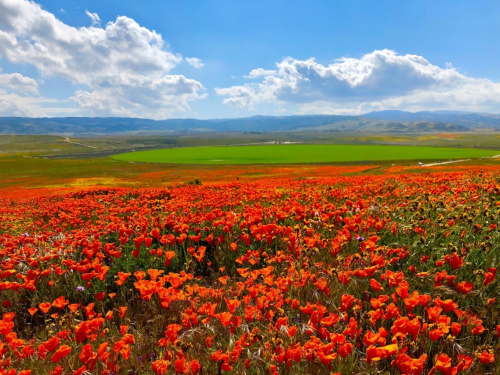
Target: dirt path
{"type": "Point", "coordinates": [456, 161]}
{"type": "Point", "coordinates": [66, 139]}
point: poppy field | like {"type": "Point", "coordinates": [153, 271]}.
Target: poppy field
{"type": "Point", "coordinates": [293, 154]}
{"type": "Point", "coordinates": [368, 274]}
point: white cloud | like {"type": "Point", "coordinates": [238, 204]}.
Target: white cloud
{"type": "Point", "coordinates": [241, 96]}
{"type": "Point", "coordinates": [14, 104]}
{"type": "Point", "coordinates": [475, 95]}
{"type": "Point", "coordinates": [96, 21]}
{"type": "Point", "coordinates": [18, 83]}
{"type": "Point", "coordinates": [165, 96]}
{"type": "Point", "coordinates": [195, 62]}
{"type": "Point", "coordinates": [381, 79]}
{"type": "Point", "coordinates": [10, 109]}
{"type": "Point", "coordinates": [121, 58]}
{"type": "Point", "coordinates": [259, 72]}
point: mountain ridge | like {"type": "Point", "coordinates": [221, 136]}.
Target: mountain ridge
{"type": "Point", "coordinates": [383, 121]}
{"type": "Point", "coordinates": [473, 120]}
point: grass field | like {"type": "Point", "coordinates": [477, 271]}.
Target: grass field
{"type": "Point", "coordinates": [33, 165]}
{"type": "Point", "coordinates": [289, 154]}
{"type": "Point", "coordinates": [84, 147]}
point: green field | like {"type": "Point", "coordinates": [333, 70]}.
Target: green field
{"type": "Point", "coordinates": [292, 154]}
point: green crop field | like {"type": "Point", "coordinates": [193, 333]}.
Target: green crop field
{"type": "Point", "coordinates": [291, 154]}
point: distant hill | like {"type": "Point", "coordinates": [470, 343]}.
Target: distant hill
{"type": "Point", "coordinates": [325, 123]}
{"type": "Point", "coordinates": [467, 119]}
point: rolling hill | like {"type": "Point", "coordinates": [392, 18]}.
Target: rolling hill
{"type": "Point", "coordinates": [467, 119]}
{"type": "Point", "coordinates": [322, 123]}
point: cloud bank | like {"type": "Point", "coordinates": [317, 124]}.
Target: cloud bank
{"type": "Point", "coordinates": [378, 80]}
{"type": "Point", "coordinates": [124, 69]}
{"type": "Point", "coordinates": [16, 82]}
{"type": "Point", "coordinates": [124, 66]}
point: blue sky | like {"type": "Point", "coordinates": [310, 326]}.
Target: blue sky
{"type": "Point", "coordinates": [130, 58]}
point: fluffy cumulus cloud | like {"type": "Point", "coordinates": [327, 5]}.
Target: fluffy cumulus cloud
{"type": "Point", "coordinates": [17, 93]}
{"type": "Point", "coordinates": [18, 83]}
{"type": "Point", "coordinates": [124, 66]}
{"type": "Point", "coordinates": [379, 80]}
{"type": "Point", "coordinates": [259, 72]}
{"type": "Point", "coordinates": [167, 94]}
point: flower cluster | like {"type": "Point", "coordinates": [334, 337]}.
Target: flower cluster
{"type": "Point", "coordinates": [347, 275]}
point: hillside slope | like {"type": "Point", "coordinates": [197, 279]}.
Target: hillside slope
{"type": "Point", "coordinates": [111, 125]}
{"type": "Point", "coordinates": [470, 120]}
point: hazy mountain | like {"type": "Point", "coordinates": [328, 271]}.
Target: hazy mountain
{"type": "Point", "coordinates": [101, 125]}
{"type": "Point", "coordinates": [467, 119]}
